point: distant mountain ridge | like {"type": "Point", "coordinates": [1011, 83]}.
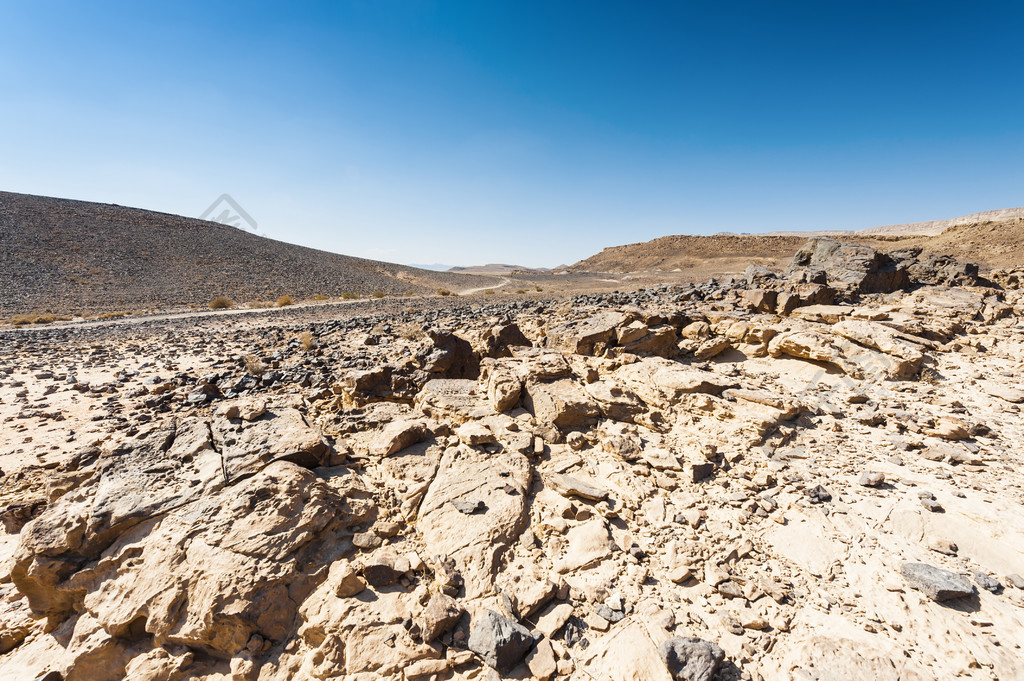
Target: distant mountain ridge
{"type": "Point", "coordinates": [991, 238]}
{"type": "Point", "coordinates": [928, 228]}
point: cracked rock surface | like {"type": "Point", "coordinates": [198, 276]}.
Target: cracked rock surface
{"type": "Point", "coordinates": [767, 477]}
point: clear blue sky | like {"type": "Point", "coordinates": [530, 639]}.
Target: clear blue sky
{"type": "Point", "coordinates": [520, 132]}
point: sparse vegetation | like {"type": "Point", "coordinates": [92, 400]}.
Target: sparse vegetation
{"type": "Point", "coordinates": [410, 331]}
{"type": "Point", "coordinates": [377, 294]}
{"type": "Point", "coordinates": [348, 295]}
{"type": "Point", "coordinates": [307, 341]}
{"type": "Point", "coordinates": [520, 290]}
{"type": "Point", "coordinates": [539, 288]}
{"type": "Point", "coordinates": [112, 315]}
{"type": "Point", "coordinates": [36, 318]}
{"type": "Point", "coordinates": [284, 301]}
{"type": "Point", "coordinates": [444, 292]}
{"type": "Point", "coordinates": [254, 365]}
{"type": "Point", "coordinates": [489, 292]}
{"type": "Point", "coordinates": [259, 304]}
{"type": "Point", "coordinates": [221, 303]}
{"type": "Point", "coordinates": [319, 296]}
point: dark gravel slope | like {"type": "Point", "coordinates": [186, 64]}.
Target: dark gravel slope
{"type": "Point", "coordinates": [70, 256]}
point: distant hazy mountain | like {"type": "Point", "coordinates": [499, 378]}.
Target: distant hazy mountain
{"type": "Point", "coordinates": [436, 267]}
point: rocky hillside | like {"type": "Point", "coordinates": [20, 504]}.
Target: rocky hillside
{"type": "Point", "coordinates": [992, 243]}
{"type": "Point", "coordinates": [74, 256]}
{"type": "Point", "coordinates": [814, 474]}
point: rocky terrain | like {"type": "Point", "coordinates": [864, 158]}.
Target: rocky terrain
{"type": "Point", "coordinates": [73, 257]}
{"type": "Point", "coordinates": [808, 473]}
{"type": "Point", "coordinates": [993, 241]}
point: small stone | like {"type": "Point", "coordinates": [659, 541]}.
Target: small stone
{"type": "Point", "coordinates": [441, 614]}
{"type": "Point", "coordinates": [944, 546]}
{"type": "Point", "coordinates": [932, 505]}
{"type": "Point", "coordinates": [366, 540]}
{"type": "Point", "coordinates": [691, 659]}
{"type": "Point", "coordinates": [871, 479]}
{"type": "Point", "coordinates": [680, 574]}
{"type": "Point", "coordinates": [700, 471]}
{"type": "Point", "coordinates": [819, 495]}
{"type": "Point", "coordinates": [542, 661]}
{"type": "Point", "coordinates": [608, 614]}
{"type": "Point", "coordinates": [344, 580]}
{"type": "Point", "coordinates": [379, 573]}
{"type": "Point", "coordinates": [936, 583]}
{"type": "Point", "coordinates": [499, 641]}
{"type": "Point", "coordinates": [987, 582]}
{"type": "Point", "coordinates": [469, 507]}
{"type": "Point", "coordinates": [1016, 580]}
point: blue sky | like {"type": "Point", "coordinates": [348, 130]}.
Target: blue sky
{"type": "Point", "coordinates": [521, 132]}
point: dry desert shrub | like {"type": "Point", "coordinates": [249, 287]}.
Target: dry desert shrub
{"type": "Point", "coordinates": [489, 292]}
{"type": "Point", "coordinates": [411, 331]}
{"type": "Point", "coordinates": [254, 365]}
{"type": "Point", "coordinates": [307, 341]}
{"type": "Point", "coordinates": [348, 295]}
{"type": "Point", "coordinates": [221, 303]}
{"type": "Point", "coordinates": [319, 296]}
{"type": "Point", "coordinates": [377, 294]}
{"type": "Point", "coordinates": [284, 301]}
{"type": "Point", "coordinates": [259, 304]}
{"type": "Point", "coordinates": [36, 318]}
{"type": "Point", "coordinates": [444, 292]}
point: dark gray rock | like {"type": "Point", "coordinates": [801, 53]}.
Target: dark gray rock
{"type": "Point", "coordinates": [691, 659]}
{"type": "Point", "coordinates": [987, 582]}
{"type": "Point", "coordinates": [499, 641]}
{"type": "Point", "coordinates": [861, 268]}
{"type": "Point", "coordinates": [936, 583]}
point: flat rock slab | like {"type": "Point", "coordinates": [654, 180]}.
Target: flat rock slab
{"type": "Point", "coordinates": [936, 583]}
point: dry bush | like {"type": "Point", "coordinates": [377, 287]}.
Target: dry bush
{"type": "Point", "coordinates": [319, 296]}
{"type": "Point", "coordinates": [347, 295]}
{"type": "Point", "coordinates": [307, 341]}
{"type": "Point", "coordinates": [221, 303]}
{"type": "Point", "coordinates": [284, 301]}
{"type": "Point", "coordinates": [36, 318]}
{"type": "Point", "coordinates": [520, 290]}
{"type": "Point", "coordinates": [259, 304]}
{"type": "Point", "coordinates": [411, 331]}
{"type": "Point", "coordinates": [489, 292]}
{"type": "Point", "coordinates": [539, 288]}
{"type": "Point", "coordinates": [254, 365]}
{"type": "Point", "coordinates": [377, 294]}
{"type": "Point", "coordinates": [444, 292]}
{"type": "Point", "coordinates": [112, 315]}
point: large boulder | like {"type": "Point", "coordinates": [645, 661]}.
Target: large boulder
{"type": "Point", "coordinates": [860, 269]}
{"type": "Point", "coordinates": [586, 336]}
{"type": "Point", "coordinates": [561, 403]}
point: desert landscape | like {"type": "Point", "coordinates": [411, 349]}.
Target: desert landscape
{"type": "Point", "coordinates": [805, 470]}
{"type": "Point", "coordinates": [537, 341]}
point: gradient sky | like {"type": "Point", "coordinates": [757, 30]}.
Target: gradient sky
{"type": "Point", "coordinates": [534, 133]}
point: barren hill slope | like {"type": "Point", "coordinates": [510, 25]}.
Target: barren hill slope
{"type": "Point", "coordinates": [76, 256]}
